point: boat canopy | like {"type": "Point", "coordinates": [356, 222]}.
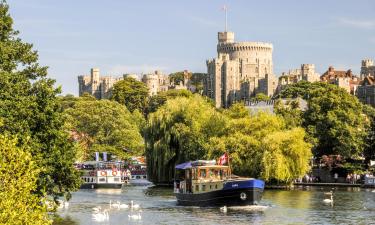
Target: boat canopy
{"type": "Point", "coordinates": [183, 166]}
{"type": "Point", "coordinates": [188, 165]}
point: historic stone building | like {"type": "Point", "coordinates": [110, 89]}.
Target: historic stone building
{"type": "Point", "coordinates": [240, 70]}
{"type": "Point", "coordinates": [306, 73]}
{"type": "Point", "coordinates": [367, 68]}
{"type": "Point", "coordinates": [156, 82]}
{"type": "Point", "coordinates": [366, 90]}
{"type": "Point", "coordinates": [95, 85]}
{"type": "Point", "coordinates": [343, 79]}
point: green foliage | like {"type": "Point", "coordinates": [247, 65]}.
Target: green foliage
{"type": "Point", "coordinates": [261, 97]}
{"type": "Point", "coordinates": [187, 129]}
{"type": "Point", "coordinates": [197, 80]}
{"type": "Point", "coordinates": [31, 112]}
{"type": "Point", "coordinates": [105, 126]}
{"type": "Point", "coordinates": [335, 119]}
{"type": "Point", "coordinates": [177, 132]}
{"type": "Point", "coordinates": [177, 77]}
{"type": "Point", "coordinates": [369, 151]}
{"type": "Point", "coordinates": [18, 175]}
{"type": "Point", "coordinates": [130, 92]}
{"type": "Point", "coordinates": [290, 112]}
{"type": "Point", "coordinates": [158, 100]}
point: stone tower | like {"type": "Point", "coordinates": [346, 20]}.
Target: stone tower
{"type": "Point", "coordinates": [367, 68]}
{"type": "Point", "coordinates": [95, 83]}
{"type": "Point", "coordinates": [238, 71]}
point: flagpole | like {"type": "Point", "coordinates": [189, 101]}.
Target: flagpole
{"type": "Point", "coordinates": [230, 170]}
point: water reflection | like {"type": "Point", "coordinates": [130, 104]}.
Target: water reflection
{"type": "Point", "coordinates": [158, 206]}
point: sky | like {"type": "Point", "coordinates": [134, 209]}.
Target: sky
{"type": "Point", "coordinates": [119, 36]}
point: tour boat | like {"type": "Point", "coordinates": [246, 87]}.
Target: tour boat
{"type": "Point", "coordinates": [103, 174]}
{"type": "Point", "coordinates": [205, 183]}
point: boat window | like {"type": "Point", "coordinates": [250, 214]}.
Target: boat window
{"type": "Point", "coordinates": [203, 173]}
{"type": "Point", "coordinates": [196, 187]}
{"type": "Point", "coordinates": [116, 179]}
{"type": "Point", "coordinates": [194, 174]}
{"type": "Point", "coordinates": [217, 175]}
{"type": "Point", "coordinates": [144, 177]}
{"type": "Point", "coordinates": [210, 187]}
{"type": "Point", "coordinates": [215, 186]}
{"type": "Point", "coordinates": [211, 173]}
{"type": "Point", "coordinates": [102, 179]}
{"type": "Point", "coordinates": [203, 187]}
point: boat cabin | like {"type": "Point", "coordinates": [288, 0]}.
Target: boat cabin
{"type": "Point", "coordinates": [200, 176]}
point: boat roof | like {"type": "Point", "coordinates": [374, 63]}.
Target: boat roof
{"type": "Point", "coordinates": [188, 165]}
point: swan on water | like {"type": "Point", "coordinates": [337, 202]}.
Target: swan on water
{"type": "Point", "coordinates": [224, 209]}
{"type": "Point", "coordinates": [114, 205]}
{"type": "Point", "coordinates": [123, 206]}
{"type": "Point", "coordinates": [135, 217]}
{"type": "Point", "coordinates": [100, 216]}
{"type": "Point", "coordinates": [134, 206]}
{"type": "Point", "coordinates": [97, 208]}
{"type": "Point", "coordinates": [328, 200]}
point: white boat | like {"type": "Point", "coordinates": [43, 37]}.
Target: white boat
{"type": "Point", "coordinates": [100, 174]}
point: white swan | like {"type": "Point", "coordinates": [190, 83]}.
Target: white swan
{"type": "Point", "coordinates": [224, 209]}
{"type": "Point", "coordinates": [97, 208]}
{"type": "Point", "coordinates": [100, 216]}
{"type": "Point", "coordinates": [135, 217]}
{"type": "Point", "coordinates": [329, 200]}
{"type": "Point", "coordinates": [123, 206]}
{"type": "Point", "coordinates": [134, 206]}
{"type": "Point", "coordinates": [114, 205]}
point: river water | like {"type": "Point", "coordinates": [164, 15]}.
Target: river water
{"type": "Point", "coordinates": [158, 206]}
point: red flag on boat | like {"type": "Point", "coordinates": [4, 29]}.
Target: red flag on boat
{"type": "Point", "coordinates": [223, 159]}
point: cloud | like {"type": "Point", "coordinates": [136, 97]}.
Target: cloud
{"type": "Point", "coordinates": [362, 24]}
{"type": "Point", "coordinates": [142, 68]}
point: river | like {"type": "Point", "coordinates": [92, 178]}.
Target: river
{"type": "Point", "coordinates": [158, 206]}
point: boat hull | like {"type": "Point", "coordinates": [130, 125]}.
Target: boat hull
{"type": "Point", "coordinates": [234, 193]}
{"type": "Point", "coordinates": [102, 185]}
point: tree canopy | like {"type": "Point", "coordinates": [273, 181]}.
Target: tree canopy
{"type": "Point", "coordinates": [158, 100]}
{"type": "Point", "coordinates": [334, 118]}
{"type": "Point", "coordinates": [18, 175]}
{"type": "Point", "coordinates": [185, 129]}
{"type": "Point", "coordinates": [30, 111]}
{"type": "Point", "coordinates": [105, 126]}
{"type": "Point", "coordinates": [131, 93]}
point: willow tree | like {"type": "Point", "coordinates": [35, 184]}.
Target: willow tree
{"type": "Point", "coordinates": [177, 132]}
{"type": "Point", "coordinates": [262, 146]}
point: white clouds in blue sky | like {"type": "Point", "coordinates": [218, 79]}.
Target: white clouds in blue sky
{"type": "Point", "coordinates": [121, 36]}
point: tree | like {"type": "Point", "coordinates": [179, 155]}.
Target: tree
{"type": "Point", "coordinates": [262, 146]}
{"type": "Point", "coordinates": [130, 92]}
{"type": "Point", "coordinates": [178, 77]}
{"type": "Point", "coordinates": [18, 175]}
{"type": "Point", "coordinates": [261, 97]}
{"type": "Point", "coordinates": [31, 112]}
{"type": "Point", "coordinates": [334, 118]}
{"type": "Point", "coordinates": [185, 129]}
{"type": "Point", "coordinates": [177, 132]}
{"type": "Point", "coordinates": [197, 80]}
{"type": "Point", "coordinates": [369, 151]}
{"type": "Point", "coordinates": [158, 100]}
{"type": "Point", "coordinates": [105, 126]}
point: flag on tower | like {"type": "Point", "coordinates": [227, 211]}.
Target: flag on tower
{"type": "Point", "coordinates": [223, 159]}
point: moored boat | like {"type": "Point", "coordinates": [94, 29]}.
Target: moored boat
{"type": "Point", "coordinates": [102, 174]}
{"type": "Point", "coordinates": [204, 183]}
